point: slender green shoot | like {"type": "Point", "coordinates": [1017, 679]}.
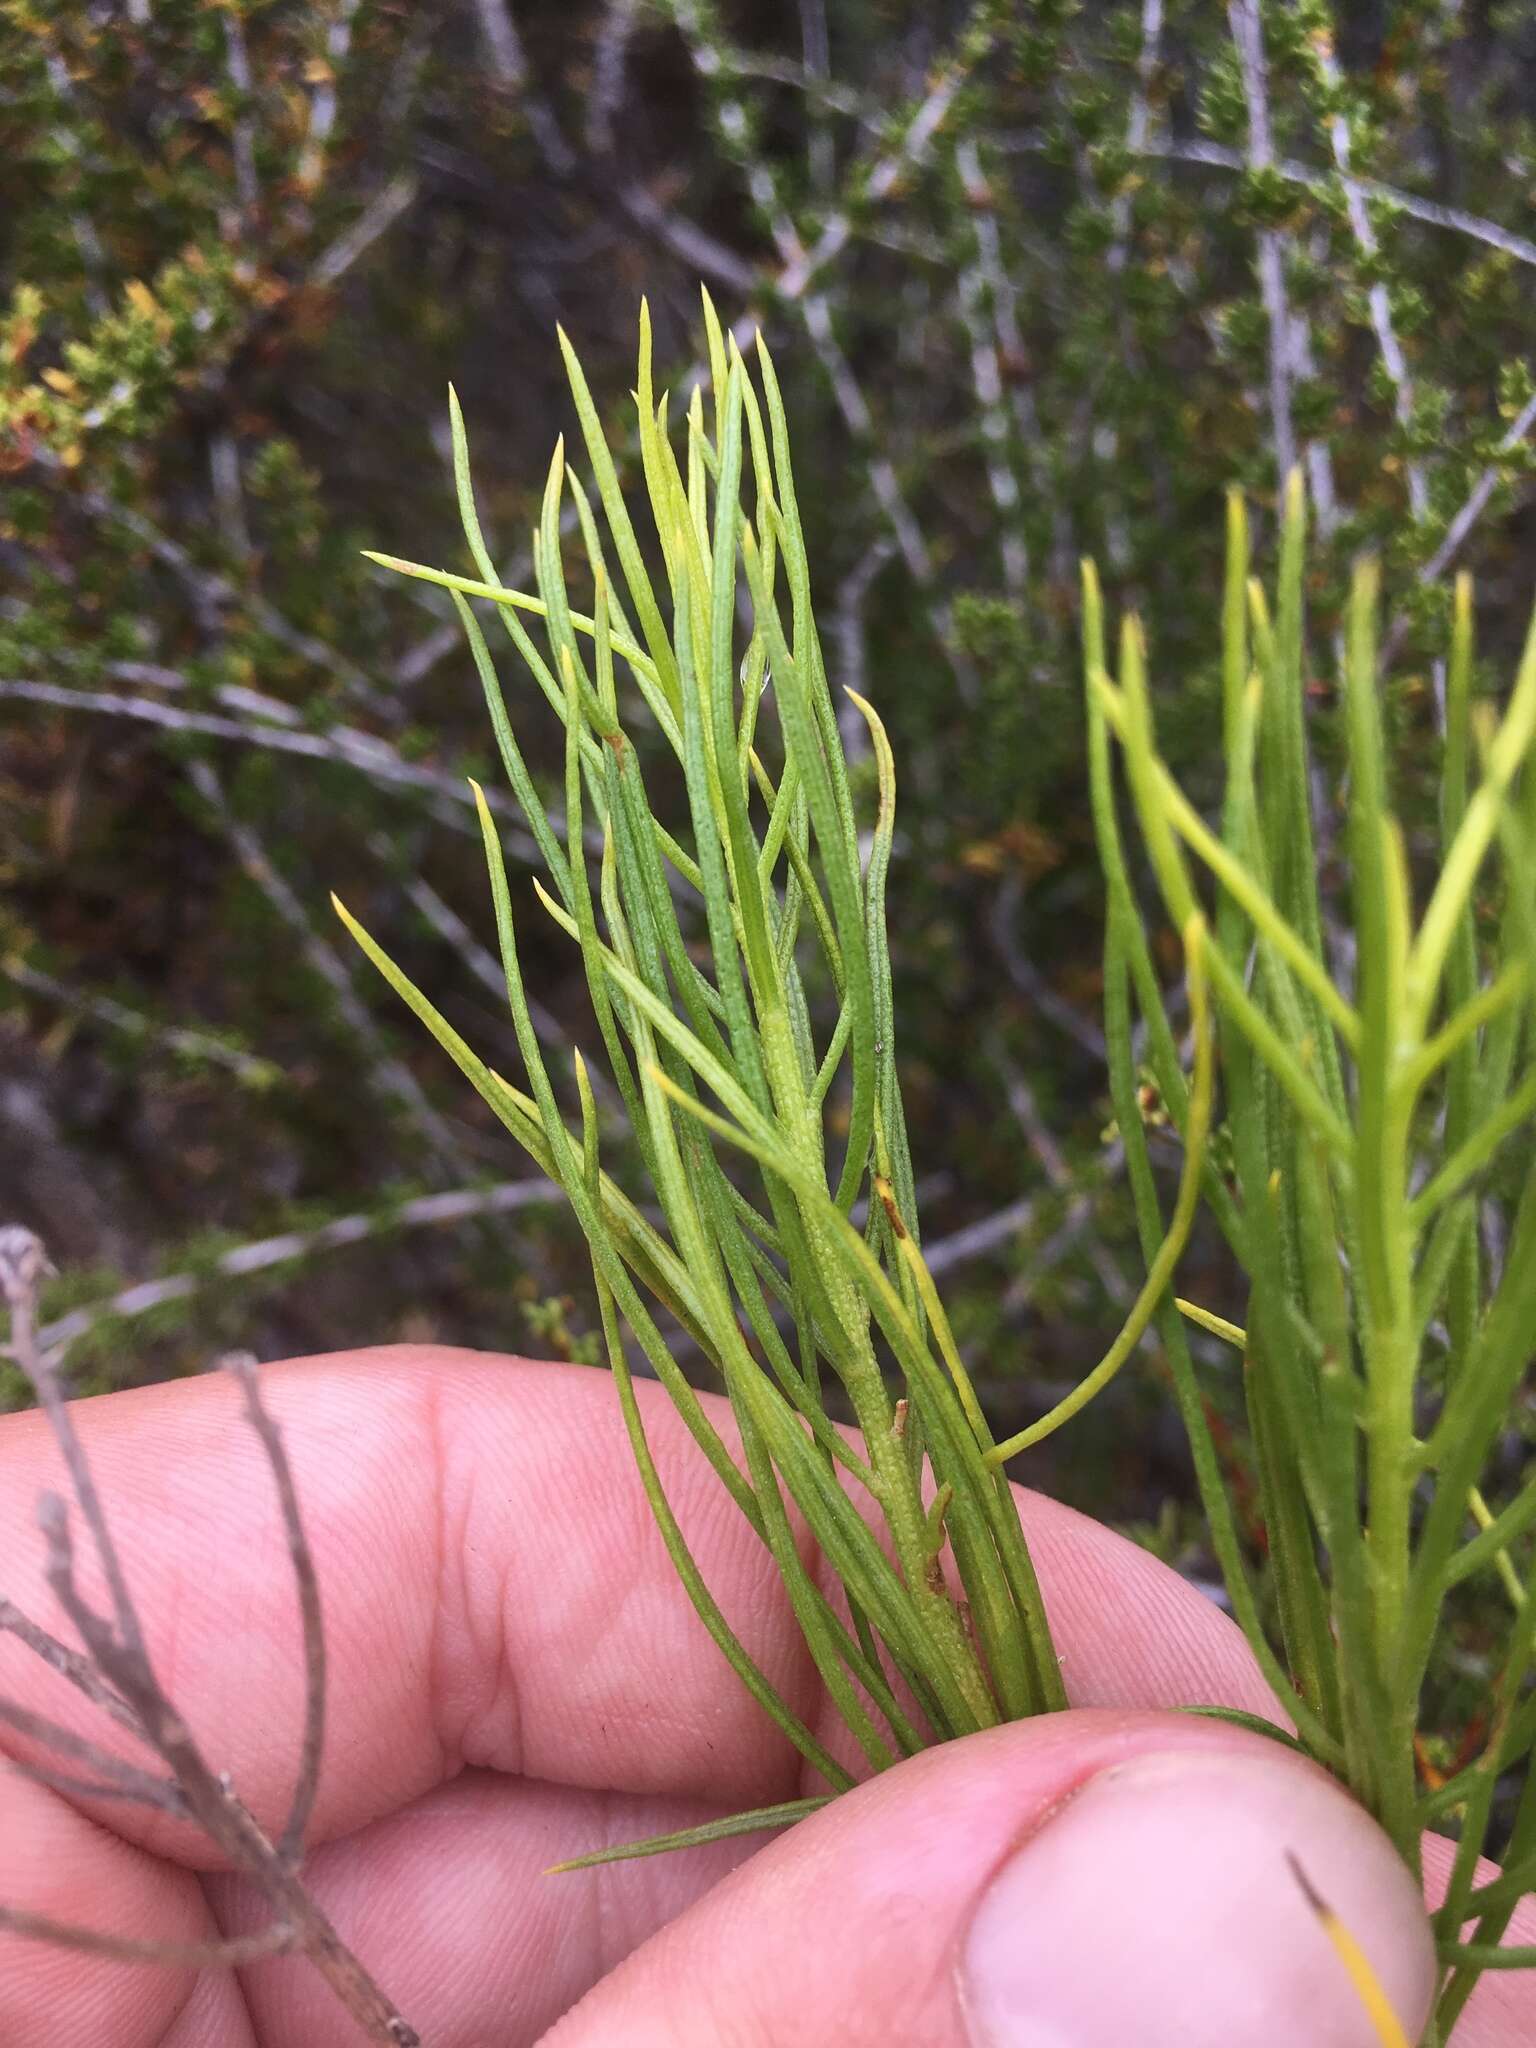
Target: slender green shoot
{"type": "Point", "coordinates": [738, 968]}
{"type": "Point", "coordinates": [1371, 978]}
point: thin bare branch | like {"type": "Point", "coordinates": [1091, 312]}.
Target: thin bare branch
{"type": "Point", "coordinates": [854, 407]}
{"type": "Point", "coordinates": [454, 1205]}
{"type": "Point", "coordinates": [127, 1781]}
{"type": "Point", "coordinates": [215, 595]}
{"type": "Point", "coordinates": [770, 69]}
{"type": "Point", "coordinates": [994, 279]}
{"type": "Point", "coordinates": [975, 1240]}
{"type": "Point", "coordinates": [122, 1660]}
{"type": "Point", "coordinates": [184, 1955]}
{"type": "Point", "coordinates": [59, 1657]}
{"type": "Point", "coordinates": [228, 491]}
{"type": "Point", "coordinates": [1248, 36]}
{"type": "Point", "coordinates": [66, 137]}
{"type": "Point", "coordinates": [23, 1263]}
{"type": "Point", "coordinates": [323, 105]}
{"type": "Point", "coordinates": [886, 172]}
{"type": "Point", "coordinates": [1472, 509]}
{"type": "Point", "coordinates": [1080, 1209]}
{"type": "Point", "coordinates": [387, 1074]}
{"type": "Point", "coordinates": [1064, 1239]}
{"type": "Point", "coordinates": [1379, 299]}
{"type": "Point", "coordinates": [429, 650]}
{"type": "Point", "coordinates": [237, 62]}
{"type": "Point", "coordinates": [801, 266]}
{"type": "Point", "coordinates": [1042, 1141]}
{"type": "Point", "coordinates": [1461, 525]}
{"type": "Point", "coordinates": [290, 1845]}
{"type": "Point", "coordinates": [848, 629]}
{"type": "Point", "coordinates": [352, 748]}
{"type": "Point", "coordinates": [875, 180]}
{"type": "Point", "coordinates": [1003, 925]}
{"type": "Point", "coordinates": [509, 64]}
{"type": "Point", "coordinates": [609, 55]}
{"type": "Point", "coordinates": [1194, 150]}
{"type": "Point", "coordinates": [74, 1788]}
{"type": "Point", "coordinates": [694, 246]}
{"type": "Point", "coordinates": [987, 379]}
{"type": "Point", "coordinates": [324, 747]}
{"type": "Point", "coordinates": [376, 219]}
{"type": "Point", "coordinates": [200, 1045]}
{"type": "Point", "coordinates": [1139, 121]}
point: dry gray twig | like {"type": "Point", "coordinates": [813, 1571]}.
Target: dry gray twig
{"type": "Point", "coordinates": [1289, 342]}
{"type": "Point", "coordinates": [126, 1781]}
{"type": "Point", "coordinates": [454, 1205]}
{"type": "Point", "coordinates": [117, 1651]}
{"type": "Point", "coordinates": [376, 219]}
{"type": "Point", "coordinates": [446, 794]}
{"type": "Point", "coordinates": [201, 1045]}
{"type": "Point", "coordinates": [59, 1657]}
{"type": "Point", "coordinates": [992, 281]}
{"type": "Point", "coordinates": [609, 57]}
{"type": "Point", "coordinates": [242, 138]}
{"type": "Point", "coordinates": [509, 63]}
{"type": "Point", "coordinates": [275, 1940]}
{"type": "Point", "coordinates": [1379, 299]}
{"type": "Point", "coordinates": [1472, 508]}
{"type": "Point", "coordinates": [324, 103]}
{"type": "Point", "coordinates": [389, 1075]}
{"type": "Point", "coordinates": [290, 1846]}
{"type": "Point", "coordinates": [1218, 156]}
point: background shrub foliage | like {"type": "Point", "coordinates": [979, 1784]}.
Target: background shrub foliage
{"type": "Point", "coordinates": [1042, 280]}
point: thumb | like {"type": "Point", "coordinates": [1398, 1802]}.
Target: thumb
{"type": "Point", "coordinates": [1086, 1880]}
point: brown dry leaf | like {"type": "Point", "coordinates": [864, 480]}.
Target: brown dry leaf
{"type": "Point", "coordinates": [1020, 845]}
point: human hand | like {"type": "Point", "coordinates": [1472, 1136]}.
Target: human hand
{"type": "Point", "coordinates": [517, 1677]}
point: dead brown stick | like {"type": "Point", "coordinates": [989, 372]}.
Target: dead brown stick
{"type": "Point", "coordinates": [127, 1781]}
{"type": "Point", "coordinates": [69, 1664]}
{"type": "Point", "coordinates": [117, 1653]}
{"type": "Point", "coordinates": [291, 1843]}
{"type": "Point", "coordinates": [187, 1955]}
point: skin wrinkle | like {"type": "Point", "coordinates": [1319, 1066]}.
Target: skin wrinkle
{"type": "Point", "coordinates": [218, 1920]}
{"type": "Point", "coordinates": [598, 1923]}
{"type": "Point", "coordinates": [622, 1610]}
{"type": "Point", "coordinates": [486, 1655]}
{"type": "Point", "coordinates": [175, 1646]}
{"type": "Point", "coordinates": [888, 1941]}
{"type": "Point", "coordinates": [471, 1617]}
{"type": "Point", "coordinates": [169, 1905]}
{"type": "Point", "coordinates": [214, 2009]}
{"type": "Point", "coordinates": [712, 1522]}
{"type": "Point", "coordinates": [1030, 1825]}
{"type": "Point", "coordinates": [464, 1868]}
{"type": "Point", "coordinates": [428, 1514]}
{"type": "Point", "coordinates": [795, 1676]}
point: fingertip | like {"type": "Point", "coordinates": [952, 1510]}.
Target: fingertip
{"type": "Point", "coordinates": [1083, 1880]}
{"type": "Point", "coordinates": [1200, 1895]}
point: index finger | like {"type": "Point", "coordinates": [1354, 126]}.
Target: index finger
{"type": "Point", "coordinates": [495, 1591]}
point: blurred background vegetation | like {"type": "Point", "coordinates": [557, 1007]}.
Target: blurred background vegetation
{"type": "Point", "coordinates": [1041, 280]}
